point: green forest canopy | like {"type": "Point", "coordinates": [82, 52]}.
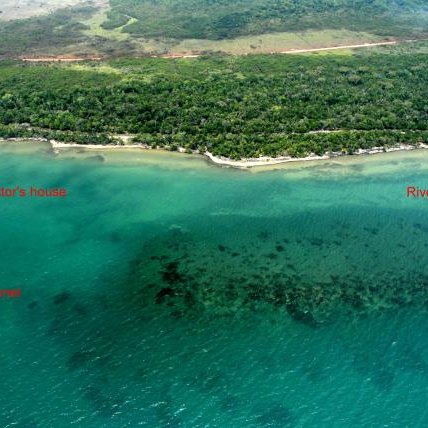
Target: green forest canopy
{"type": "Point", "coordinates": [232, 106]}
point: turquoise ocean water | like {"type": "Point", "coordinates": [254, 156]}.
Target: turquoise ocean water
{"type": "Point", "coordinates": [167, 292]}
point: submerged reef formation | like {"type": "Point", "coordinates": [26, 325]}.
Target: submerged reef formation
{"type": "Point", "coordinates": [159, 334]}
{"type": "Point", "coordinates": [185, 276]}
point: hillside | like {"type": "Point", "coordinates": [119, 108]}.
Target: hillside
{"type": "Point", "coordinates": [141, 28]}
{"type": "Point", "coordinates": [224, 19]}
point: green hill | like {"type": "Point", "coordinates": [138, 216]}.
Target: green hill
{"type": "Point", "coordinates": [142, 27]}
{"type": "Point", "coordinates": [219, 19]}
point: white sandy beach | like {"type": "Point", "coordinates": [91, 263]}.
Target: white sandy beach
{"type": "Point", "coordinates": [262, 161]}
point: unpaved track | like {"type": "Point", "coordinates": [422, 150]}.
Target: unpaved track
{"type": "Point", "coordinates": [364, 45]}
{"type": "Point", "coordinates": [70, 58]}
{"type": "Point", "coordinates": [297, 51]}
{"type": "Point", "coordinates": [61, 58]}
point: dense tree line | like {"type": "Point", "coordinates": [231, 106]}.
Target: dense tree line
{"type": "Point", "coordinates": [24, 132]}
{"type": "Point", "coordinates": [233, 106]}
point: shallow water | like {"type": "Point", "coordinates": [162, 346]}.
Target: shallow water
{"type": "Point", "coordinates": [164, 291]}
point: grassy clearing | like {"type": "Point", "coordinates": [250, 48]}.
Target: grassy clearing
{"type": "Point", "coordinates": [277, 42]}
{"type": "Point", "coordinates": [96, 30]}
{"type": "Point", "coordinates": [341, 52]}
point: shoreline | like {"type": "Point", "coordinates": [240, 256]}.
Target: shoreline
{"type": "Point", "coordinates": [244, 163]}
{"type": "Point", "coordinates": [267, 161]}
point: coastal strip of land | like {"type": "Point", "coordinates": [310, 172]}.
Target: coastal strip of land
{"type": "Point", "coordinates": [267, 161]}
{"type": "Point", "coordinates": [250, 162]}
{"type": "Point", "coordinates": [262, 161]}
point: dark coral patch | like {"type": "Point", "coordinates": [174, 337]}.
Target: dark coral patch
{"type": "Point", "coordinates": [171, 275]}
{"type": "Point", "coordinates": [301, 315]}
{"type": "Point", "coordinates": [79, 359]}
{"type": "Point", "coordinates": [163, 294]}
{"type": "Point", "coordinates": [271, 256]}
{"type": "Point", "coordinates": [80, 309]}
{"type": "Point", "coordinates": [276, 416]}
{"type": "Point", "coordinates": [61, 298]}
{"type": "Point", "coordinates": [33, 305]}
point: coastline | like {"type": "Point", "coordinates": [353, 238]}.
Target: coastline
{"type": "Point", "coordinates": [266, 161]}
{"type": "Point", "coordinates": [244, 163]}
